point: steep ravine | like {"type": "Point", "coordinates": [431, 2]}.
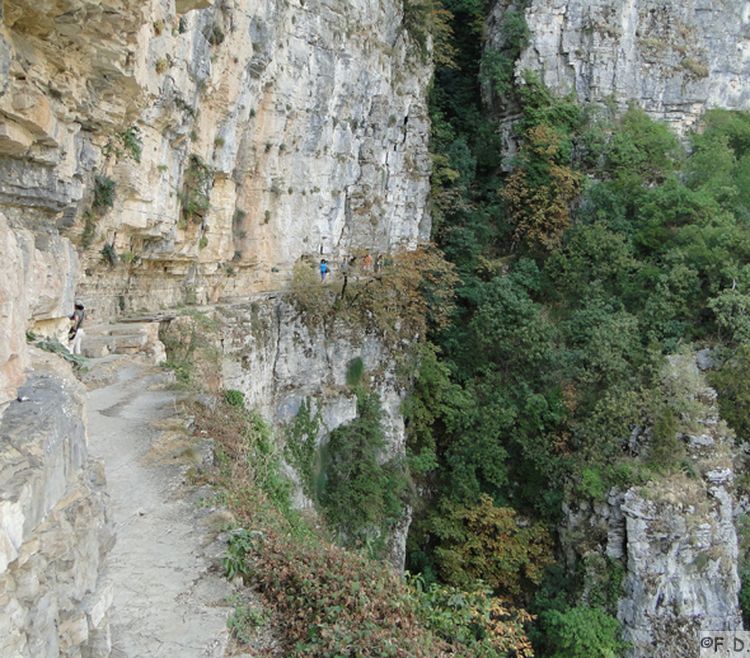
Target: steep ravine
{"type": "Point", "coordinates": [161, 155]}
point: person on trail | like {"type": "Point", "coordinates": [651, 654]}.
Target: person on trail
{"type": "Point", "coordinates": [378, 263]}
{"type": "Point", "coordinates": [324, 270]}
{"type": "Point", "coordinates": [75, 333]}
{"type": "Point", "coordinates": [367, 263]}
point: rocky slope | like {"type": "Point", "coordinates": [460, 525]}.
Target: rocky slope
{"type": "Point", "coordinates": [675, 538]}
{"type": "Point", "coordinates": [280, 361]}
{"type": "Point", "coordinates": [55, 531]}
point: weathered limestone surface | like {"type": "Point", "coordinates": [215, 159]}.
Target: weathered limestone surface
{"type": "Point", "coordinates": [37, 277]}
{"type": "Point", "coordinates": [54, 528]}
{"type": "Point", "coordinates": [278, 360]}
{"type": "Point", "coordinates": [676, 538]}
{"type": "Point", "coordinates": [674, 59]}
{"type": "Point", "coordinates": [309, 118]}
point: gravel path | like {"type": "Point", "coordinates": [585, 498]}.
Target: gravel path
{"type": "Point", "coordinates": [169, 601]}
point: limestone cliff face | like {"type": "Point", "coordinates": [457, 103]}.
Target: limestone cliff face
{"type": "Point", "coordinates": [281, 360]}
{"type": "Point", "coordinates": [54, 529]}
{"type": "Point", "coordinates": [674, 537]}
{"type": "Point", "coordinates": [675, 59]}
{"type": "Point", "coordinates": [156, 153]}
{"type": "Point", "coordinates": [239, 136]}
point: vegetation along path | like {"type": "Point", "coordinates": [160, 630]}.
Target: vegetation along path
{"type": "Point", "coordinates": [169, 599]}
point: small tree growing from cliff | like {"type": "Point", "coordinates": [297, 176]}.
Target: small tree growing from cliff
{"type": "Point", "coordinates": [197, 182]}
{"type": "Point", "coordinates": [360, 495]}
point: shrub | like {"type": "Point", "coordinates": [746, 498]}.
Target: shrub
{"type": "Point", "coordinates": [197, 182]}
{"type": "Point", "coordinates": [234, 398]}
{"type": "Point", "coordinates": [489, 543]}
{"type": "Point", "coordinates": [425, 20]}
{"type": "Point", "coordinates": [360, 496]}
{"type": "Point", "coordinates": [301, 445]}
{"type": "Point", "coordinates": [482, 625]}
{"type": "Point", "coordinates": [109, 254]}
{"type": "Point", "coordinates": [354, 371]}
{"type": "Point", "coordinates": [733, 387]}
{"type": "Point", "coordinates": [104, 193]}
{"type": "Point", "coordinates": [336, 603]}
{"type": "Point", "coordinates": [128, 141]}
{"type": "Point", "coordinates": [329, 601]}
{"type": "Point", "coordinates": [582, 632]}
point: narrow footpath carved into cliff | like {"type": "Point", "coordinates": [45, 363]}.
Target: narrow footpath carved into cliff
{"type": "Point", "coordinates": [169, 598]}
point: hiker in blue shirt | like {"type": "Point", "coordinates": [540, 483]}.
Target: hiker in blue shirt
{"type": "Point", "coordinates": [324, 269]}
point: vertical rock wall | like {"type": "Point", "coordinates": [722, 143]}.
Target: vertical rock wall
{"type": "Point", "coordinates": [280, 360]}
{"type": "Point", "coordinates": [674, 59]}
{"type": "Point", "coordinates": [238, 135]}
{"type": "Point", "coordinates": [190, 150]}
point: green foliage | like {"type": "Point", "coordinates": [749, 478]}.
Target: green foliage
{"type": "Point", "coordinates": [355, 369]}
{"type": "Point", "coordinates": [427, 20]}
{"type": "Point", "coordinates": [743, 527]}
{"type": "Point", "coordinates": [642, 148]}
{"type": "Point", "coordinates": [483, 625]}
{"type": "Point", "coordinates": [432, 396]}
{"type": "Point", "coordinates": [360, 496]}
{"type": "Point", "coordinates": [132, 142]}
{"type": "Point", "coordinates": [582, 632]}
{"type": "Point", "coordinates": [602, 586]}
{"type": "Point", "coordinates": [733, 386]}
{"type": "Point", "coordinates": [234, 398]}
{"type": "Point", "coordinates": [333, 602]}
{"type": "Point", "coordinates": [301, 445]}
{"type": "Point", "coordinates": [492, 544]}
{"type": "Point", "coordinates": [603, 247]}
{"type": "Point", "coordinates": [109, 254]}
{"type": "Point", "coordinates": [56, 347]}
{"type": "Point", "coordinates": [239, 545]}
{"type": "Point", "coordinates": [412, 291]}
{"type": "Point", "coordinates": [732, 311]}
{"type": "Point", "coordinates": [244, 622]}
{"type": "Point", "coordinates": [129, 142]}
{"type": "Point", "coordinates": [329, 601]}
{"type": "Point", "coordinates": [104, 193]}
{"type": "Point", "coordinates": [197, 181]}
{"type": "Point", "coordinates": [497, 66]}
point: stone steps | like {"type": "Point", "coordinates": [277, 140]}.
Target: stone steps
{"type": "Point", "coordinates": [124, 338]}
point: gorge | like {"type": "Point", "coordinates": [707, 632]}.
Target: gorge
{"type": "Point", "coordinates": [523, 382]}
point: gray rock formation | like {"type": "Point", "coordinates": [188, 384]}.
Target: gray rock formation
{"type": "Point", "coordinates": [233, 131]}
{"type": "Point", "coordinates": [280, 360]}
{"type": "Point", "coordinates": [675, 536]}
{"type": "Point", "coordinates": [54, 528]}
{"type": "Point", "coordinates": [674, 59]}
{"type": "Point", "coordinates": [206, 145]}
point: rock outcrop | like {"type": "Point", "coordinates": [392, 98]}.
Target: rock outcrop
{"type": "Point", "coordinates": [674, 59]}
{"type": "Point", "coordinates": [281, 360]}
{"type": "Point", "coordinates": [209, 145]}
{"type": "Point", "coordinates": [675, 537]}
{"type": "Point", "coordinates": [54, 528]}
{"type": "Point", "coordinates": [38, 271]}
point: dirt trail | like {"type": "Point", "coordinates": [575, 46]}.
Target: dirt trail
{"type": "Point", "coordinates": [168, 599]}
